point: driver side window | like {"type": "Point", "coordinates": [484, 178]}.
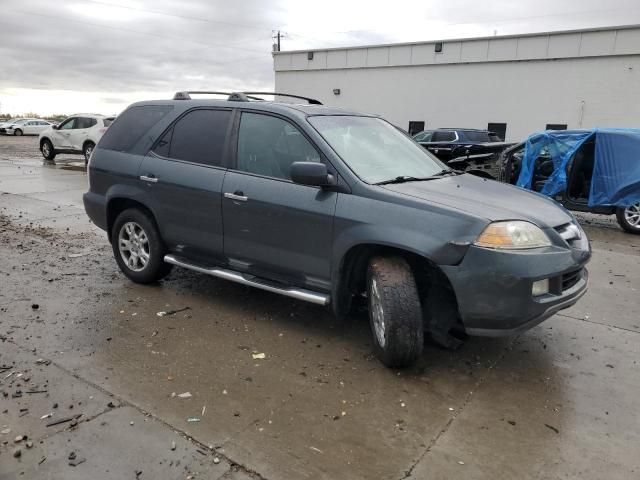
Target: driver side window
{"type": "Point", "coordinates": [269, 145]}
{"type": "Point", "coordinates": [69, 124]}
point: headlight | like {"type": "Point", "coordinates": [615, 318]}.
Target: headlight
{"type": "Point", "coordinates": [512, 235]}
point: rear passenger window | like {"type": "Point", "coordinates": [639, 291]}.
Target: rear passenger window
{"type": "Point", "coordinates": [443, 137]}
{"type": "Point", "coordinates": [197, 137]}
{"type": "Point", "coordinates": [84, 122]}
{"type": "Point", "coordinates": [269, 145]}
{"type": "Point", "coordinates": [131, 125]}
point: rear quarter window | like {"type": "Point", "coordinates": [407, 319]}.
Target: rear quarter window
{"type": "Point", "coordinates": [131, 125]}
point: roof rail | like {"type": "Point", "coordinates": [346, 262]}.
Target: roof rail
{"type": "Point", "coordinates": [242, 96]}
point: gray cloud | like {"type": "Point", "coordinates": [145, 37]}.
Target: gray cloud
{"type": "Point", "coordinates": [201, 44]}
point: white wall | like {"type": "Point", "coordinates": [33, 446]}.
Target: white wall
{"type": "Point", "coordinates": [526, 95]}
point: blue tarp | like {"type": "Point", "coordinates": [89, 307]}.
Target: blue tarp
{"type": "Point", "coordinates": [616, 169]}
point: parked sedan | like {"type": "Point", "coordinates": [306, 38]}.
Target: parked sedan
{"type": "Point", "coordinates": [78, 134]}
{"type": "Point", "coordinates": [26, 127]}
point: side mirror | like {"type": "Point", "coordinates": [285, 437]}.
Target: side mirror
{"type": "Point", "coordinates": [311, 173]}
{"type": "Point", "coordinates": [55, 127]}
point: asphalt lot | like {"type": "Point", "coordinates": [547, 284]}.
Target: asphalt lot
{"type": "Point", "coordinates": [560, 401]}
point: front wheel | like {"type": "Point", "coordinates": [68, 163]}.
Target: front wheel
{"type": "Point", "coordinates": [88, 150]}
{"type": "Point", "coordinates": [629, 218]}
{"type": "Point", "coordinates": [395, 313]}
{"type": "Point", "coordinates": [47, 150]}
{"type": "Point", "coordinates": [138, 247]}
{"type": "Point", "coordinates": [17, 132]}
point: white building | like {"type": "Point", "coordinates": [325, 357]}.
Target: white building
{"type": "Point", "coordinates": [524, 83]}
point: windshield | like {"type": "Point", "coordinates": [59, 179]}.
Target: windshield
{"type": "Point", "coordinates": [374, 149]}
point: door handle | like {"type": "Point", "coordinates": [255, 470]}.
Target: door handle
{"type": "Point", "coordinates": [149, 178]}
{"type": "Point", "coordinates": [238, 196]}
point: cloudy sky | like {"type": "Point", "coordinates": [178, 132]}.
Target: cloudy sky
{"type": "Point", "coordinates": [68, 56]}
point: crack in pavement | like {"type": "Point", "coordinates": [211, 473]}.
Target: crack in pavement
{"type": "Point", "coordinates": [408, 473]}
{"type": "Point", "coordinates": [597, 323]}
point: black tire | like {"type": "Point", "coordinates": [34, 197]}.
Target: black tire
{"type": "Point", "coordinates": [154, 268]}
{"type": "Point", "coordinates": [627, 223]}
{"type": "Point", "coordinates": [86, 150]}
{"type": "Point", "coordinates": [48, 152]}
{"type": "Point", "coordinates": [391, 285]}
{"type": "Point", "coordinates": [17, 132]}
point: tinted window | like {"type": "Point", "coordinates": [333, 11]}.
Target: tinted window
{"type": "Point", "coordinates": [129, 127]}
{"type": "Point", "coordinates": [107, 121]}
{"type": "Point", "coordinates": [472, 136]}
{"type": "Point", "coordinates": [443, 137]}
{"type": "Point", "coordinates": [415, 127]}
{"type": "Point", "coordinates": [198, 137]}
{"type": "Point", "coordinates": [269, 145]}
{"type": "Point", "coordinates": [84, 122]}
{"type": "Point", "coordinates": [68, 124]}
{"type": "Point", "coordinates": [556, 126]}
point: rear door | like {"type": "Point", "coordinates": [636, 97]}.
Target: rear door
{"type": "Point", "coordinates": [273, 227]}
{"type": "Point", "coordinates": [81, 132]}
{"type": "Point", "coordinates": [183, 174]}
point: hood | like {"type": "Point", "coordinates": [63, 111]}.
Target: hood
{"type": "Point", "coordinates": [486, 199]}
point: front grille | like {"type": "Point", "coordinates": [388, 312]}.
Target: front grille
{"type": "Point", "coordinates": [570, 233]}
{"type": "Point", "coordinates": [570, 279]}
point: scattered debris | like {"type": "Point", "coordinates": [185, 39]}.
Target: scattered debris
{"type": "Point", "coordinates": [185, 395]}
{"type": "Point", "coordinates": [42, 361]}
{"type": "Point", "coordinates": [552, 428]}
{"type": "Point", "coordinates": [63, 420]}
{"type": "Point", "coordinates": [6, 431]}
{"type": "Point", "coordinates": [19, 438]}
{"type": "Point", "coordinates": [460, 463]}
{"type": "Point", "coordinates": [42, 460]}
{"type": "Point", "coordinates": [204, 409]}
{"type": "Point", "coordinates": [258, 356]}
{"type": "Point", "coordinates": [17, 453]}
{"type": "Point", "coordinates": [172, 312]}
{"type": "Point", "coordinates": [173, 445]}
{"type": "Point", "coordinates": [511, 422]}
{"type": "Point", "coordinates": [76, 255]}
{"type": "Point", "coordinates": [35, 306]}
{"type": "Point", "coordinates": [216, 460]}
{"type": "Point", "coordinates": [111, 405]}
{"type": "Point", "coordinates": [316, 449]}
{"type": "Point", "coordinates": [29, 444]}
{"type": "Point", "coordinates": [193, 419]}
{"type": "Point", "coordinates": [48, 415]}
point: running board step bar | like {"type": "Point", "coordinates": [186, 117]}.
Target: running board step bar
{"type": "Point", "coordinates": [298, 293]}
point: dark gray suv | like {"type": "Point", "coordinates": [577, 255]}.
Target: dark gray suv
{"type": "Point", "coordinates": [335, 208]}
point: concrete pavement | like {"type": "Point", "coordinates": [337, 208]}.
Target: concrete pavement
{"type": "Point", "coordinates": [560, 401]}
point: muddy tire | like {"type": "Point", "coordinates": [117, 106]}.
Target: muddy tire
{"type": "Point", "coordinates": [629, 218]}
{"type": "Point", "coordinates": [87, 149]}
{"type": "Point", "coordinates": [395, 313]}
{"type": "Point", "coordinates": [46, 147]}
{"type": "Point", "coordinates": [138, 247]}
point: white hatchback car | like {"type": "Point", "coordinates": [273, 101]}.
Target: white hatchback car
{"type": "Point", "coordinates": [24, 126]}
{"type": "Point", "coordinates": [79, 134]}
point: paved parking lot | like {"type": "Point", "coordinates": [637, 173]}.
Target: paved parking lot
{"type": "Point", "coordinates": [560, 401]}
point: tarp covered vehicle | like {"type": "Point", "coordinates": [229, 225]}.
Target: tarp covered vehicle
{"type": "Point", "coordinates": [594, 170]}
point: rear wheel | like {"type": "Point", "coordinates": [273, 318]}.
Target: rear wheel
{"type": "Point", "coordinates": [17, 132]}
{"type": "Point", "coordinates": [629, 218]}
{"type": "Point", "coordinates": [395, 313]}
{"type": "Point", "coordinates": [46, 147]}
{"type": "Point", "coordinates": [88, 150]}
{"type": "Point", "coordinates": [138, 247]}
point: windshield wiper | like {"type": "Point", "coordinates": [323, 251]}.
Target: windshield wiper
{"type": "Point", "coordinates": [402, 179]}
{"type": "Point", "coordinates": [409, 178]}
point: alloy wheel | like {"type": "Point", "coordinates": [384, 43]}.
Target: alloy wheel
{"type": "Point", "coordinates": [133, 244]}
{"type": "Point", "coordinates": [632, 215]}
{"type": "Point", "coordinates": [377, 314]}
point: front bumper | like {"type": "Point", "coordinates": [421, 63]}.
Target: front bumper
{"type": "Point", "coordinates": [493, 288]}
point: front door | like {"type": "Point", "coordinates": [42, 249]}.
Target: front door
{"type": "Point", "coordinates": [273, 227]}
{"type": "Point", "coordinates": [81, 132]}
{"type": "Point", "coordinates": [183, 175]}
{"type": "Point", "coordinates": [61, 137]}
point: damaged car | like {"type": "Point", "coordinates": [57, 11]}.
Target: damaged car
{"type": "Point", "coordinates": [595, 171]}
{"type": "Point", "coordinates": [335, 208]}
